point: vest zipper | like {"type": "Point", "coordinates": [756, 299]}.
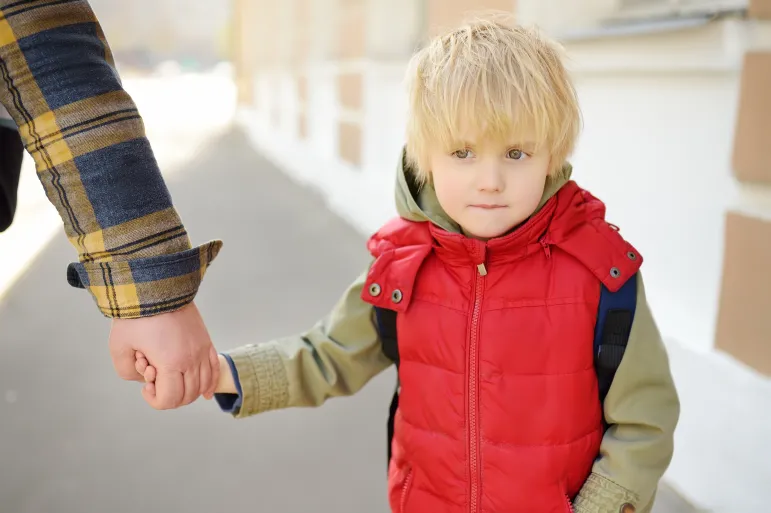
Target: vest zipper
{"type": "Point", "coordinates": [473, 391]}
{"type": "Point", "coordinates": [545, 245]}
{"type": "Point", "coordinates": [405, 490]}
{"type": "Point", "coordinates": [569, 504]}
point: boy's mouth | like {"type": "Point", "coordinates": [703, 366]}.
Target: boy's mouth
{"type": "Point", "coordinates": [487, 206]}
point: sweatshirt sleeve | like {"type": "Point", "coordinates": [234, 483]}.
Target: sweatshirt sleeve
{"type": "Point", "coordinates": [642, 409]}
{"type": "Point", "coordinates": [336, 357]}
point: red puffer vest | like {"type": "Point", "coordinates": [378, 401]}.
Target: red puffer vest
{"type": "Point", "coordinates": [499, 408]}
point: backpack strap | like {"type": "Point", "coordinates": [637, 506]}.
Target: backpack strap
{"type": "Point", "coordinates": [386, 326]}
{"type": "Point", "coordinates": [611, 333]}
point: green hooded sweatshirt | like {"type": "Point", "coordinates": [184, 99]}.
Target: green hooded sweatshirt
{"type": "Point", "coordinates": [342, 352]}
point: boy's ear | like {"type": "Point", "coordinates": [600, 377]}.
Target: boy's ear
{"type": "Point", "coordinates": [557, 170]}
{"type": "Point", "coordinates": [553, 170]}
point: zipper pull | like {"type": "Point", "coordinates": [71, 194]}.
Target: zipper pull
{"type": "Point", "coordinates": [478, 252]}
{"type": "Point", "coordinates": [545, 246]}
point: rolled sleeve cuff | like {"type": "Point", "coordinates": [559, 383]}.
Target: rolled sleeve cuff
{"type": "Point", "coordinates": [143, 287]}
{"type": "Point", "coordinates": [231, 403]}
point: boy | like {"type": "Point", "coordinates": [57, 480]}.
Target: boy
{"type": "Point", "coordinates": [494, 271]}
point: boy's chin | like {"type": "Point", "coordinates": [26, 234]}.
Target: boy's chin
{"type": "Point", "coordinates": [486, 232]}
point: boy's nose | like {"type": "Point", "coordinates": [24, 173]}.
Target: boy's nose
{"type": "Point", "coordinates": [490, 178]}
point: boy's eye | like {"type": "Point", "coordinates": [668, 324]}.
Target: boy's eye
{"type": "Point", "coordinates": [462, 154]}
{"type": "Point", "coordinates": [516, 154]}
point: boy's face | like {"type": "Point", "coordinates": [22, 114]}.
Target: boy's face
{"type": "Point", "coordinates": [489, 187]}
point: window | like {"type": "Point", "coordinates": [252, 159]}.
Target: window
{"type": "Point", "coordinates": [627, 9]}
{"type": "Point", "coordinates": [589, 18]}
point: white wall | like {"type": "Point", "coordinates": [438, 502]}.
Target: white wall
{"type": "Point", "coordinates": [361, 195]}
{"type": "Point", "coordinates": [659, 118]}
{"type": "Point", "coordinates": [657, 150]}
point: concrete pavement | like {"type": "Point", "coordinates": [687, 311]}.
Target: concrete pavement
{"type": "Point", "coordinates": [76, 439]}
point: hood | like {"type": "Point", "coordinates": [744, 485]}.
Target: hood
{"type": "Point", "coordinates": [419, 203]}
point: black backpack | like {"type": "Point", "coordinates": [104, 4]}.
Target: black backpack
{"type": "Point", "coordinates": [11, 156]}
{"type": "Point", "coordinates": [611, 335]}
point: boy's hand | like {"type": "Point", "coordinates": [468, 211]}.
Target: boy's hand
{"type": "Point", "coordinates": [147, 371]}
{"type": "Point", "coordinates": [225, 384]}
{"type": "Point", "coordinates": [179, 348]}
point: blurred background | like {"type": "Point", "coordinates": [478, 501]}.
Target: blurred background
{"type": "Point", "coordinates": [278, 125]}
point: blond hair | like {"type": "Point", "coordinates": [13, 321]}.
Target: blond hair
{"type": "Point", "coordinates": [493, 80]}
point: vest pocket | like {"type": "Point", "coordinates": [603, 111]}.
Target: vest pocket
{"type": "Point", "coordinates": [406, 487]}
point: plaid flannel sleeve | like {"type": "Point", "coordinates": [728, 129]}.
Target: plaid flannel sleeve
{"type": "Point", "coordinates": [58, 82]}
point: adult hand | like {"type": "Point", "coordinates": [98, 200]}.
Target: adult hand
{"type": "Point", "coordinates": [178, 345]}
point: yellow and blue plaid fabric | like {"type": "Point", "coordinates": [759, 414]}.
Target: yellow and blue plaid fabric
{"type": "Point", "coordinates": [59, 83]}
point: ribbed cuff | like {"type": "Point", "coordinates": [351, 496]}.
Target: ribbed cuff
{"type": "Point", "coordinates": [601, 495]}
{"type": "Point", "coordinates": [264, 383]}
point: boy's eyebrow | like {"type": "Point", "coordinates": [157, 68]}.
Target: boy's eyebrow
{"type": "Point", "coordinates": [521, 145]}
{"type": "Point", "coordinates": [526, 145]}
{"type": "Point", "coordinates": [456, 143]}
